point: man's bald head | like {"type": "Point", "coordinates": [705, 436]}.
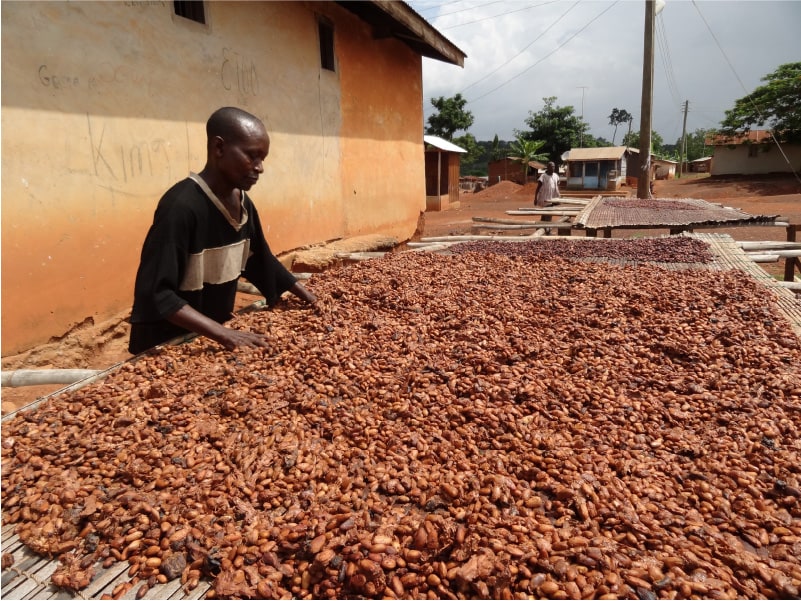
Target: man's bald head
{"type": "Point", "coordinates": [236, 148]}
{"type": "Point", "coordinates": [231, 123]}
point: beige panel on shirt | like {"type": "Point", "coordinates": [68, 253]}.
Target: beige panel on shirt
{"type": "Point", "coordinates": [216, 265]}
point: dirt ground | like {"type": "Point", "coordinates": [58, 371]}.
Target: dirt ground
{"type": "Point", "coordinates": [91, 345]}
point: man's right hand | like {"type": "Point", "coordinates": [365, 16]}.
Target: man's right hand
{"type": "Point", "coordinates": [194, 321]}
{"type": "Point", "coordinates": [232, 339]}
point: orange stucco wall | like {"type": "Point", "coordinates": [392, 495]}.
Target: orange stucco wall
{"type": "Point", "coordinates": [104, 106]}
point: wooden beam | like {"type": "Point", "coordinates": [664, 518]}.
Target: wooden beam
{"type": "Point", "coordinates": [763, 258]}
{"type": "Point", "coordinates": [504, 221]}
{"type": "Point", "coordinates": [783, 253]}
{"type": "Point", "coordinates": [525, 226]}
{"type": "Point", "coordinates": [555, 212]}
{"type": "Point", "coordinates": [768, 245]}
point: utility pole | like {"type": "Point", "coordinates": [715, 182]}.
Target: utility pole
{"type": "Point", "coordinates": [644, 176]}
{"type": "Point", "coordinates": [581, 133]}
{"type": "Point", "coordinates": [683, 149]}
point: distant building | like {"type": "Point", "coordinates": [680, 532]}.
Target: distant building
{"type": "Point", "coordinates": [752, 153]}
{"type": "Point", "coordinates": [702, 165]}
{"type": "Point", "coordinates": [602, 168]}
{"type": "Point", "coordinates": [664, 168]}
{"type": "Point", "coordinates": [508, 169]}
{"type": "Point", "coordinates": [442, 164]}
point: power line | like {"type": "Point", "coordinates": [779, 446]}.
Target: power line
{"type": "Point", "coordinates": [437, 5]}
{"type": "Point", "coordinates": [509, 12]}
{"type": "Point", "coordinates": [559, 47]}
{"type": "Point", "coordinates": [753, 105]}
{"type": "Point", "coordinates": [461, 10]}
{"type": "Point", "coordinates": [522, 50]}
{"type": "Point", "coordinates": [667, 63]}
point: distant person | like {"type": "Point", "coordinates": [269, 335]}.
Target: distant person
{"type": "Point", "coordinates": [205, 234]}
{"type": "Point", "coordinates": [547, 186]}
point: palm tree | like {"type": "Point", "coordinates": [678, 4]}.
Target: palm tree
{"type": "Point", "coordinates": [527, 151]}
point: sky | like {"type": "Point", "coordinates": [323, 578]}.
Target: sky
{"type": "Point", "coordinates": [589, 55]}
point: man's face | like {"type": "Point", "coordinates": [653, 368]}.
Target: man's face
{"type": "Point", "coordinates": [242, 157]}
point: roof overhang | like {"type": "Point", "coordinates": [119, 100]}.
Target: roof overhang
{"type": "Point", "coordinates": [604, 153]}
{"type": "Point", "coordinates": [391, 18]}
{"type": "Point", "coordinates": [441, 144]}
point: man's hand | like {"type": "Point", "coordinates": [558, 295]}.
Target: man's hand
{"type": "Point", "coordinates": [303, 293]}
{"type": "Point", "coordinates": [194, 321]}
{"type": "Point", "coordinates": [324, 307]}
{"type": "Point", "coordinates": [232, 339]}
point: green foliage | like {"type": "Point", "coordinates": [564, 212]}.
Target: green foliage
{"type": "Point", "coordinates": [469, 143]}
{"type": "Point", "coordinates": [557, 126]}
{"type": "Point", "coordinates": [633, 140]}
{"type": "Point", "coordinates": [775, 104]}
{"type": "Point", "coordinates": [589, 141]}
{"type": "Point", "coordinates": [450, 118]}
{"type": "Point", "coordinates": [617, 117]}
{"type": "Point", "coordinates": [696, 145]}
{"type": "Point", "coordinates": [487, 151]}
{"type": "Point", "coordinates": [524, 151]}
{"type": "Point", "coordinates": [495, 152]}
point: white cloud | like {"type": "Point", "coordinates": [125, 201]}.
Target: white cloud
{"type": "Point", "coordinates": [711, 53]}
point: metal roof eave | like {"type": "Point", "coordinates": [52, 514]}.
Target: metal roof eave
{"type": "Point", "coordinates": [391, 18]}
{"type": "Point", "coordinates": [442, 144]}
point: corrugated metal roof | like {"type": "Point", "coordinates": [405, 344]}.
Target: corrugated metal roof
{"type": "Point", "coordinates": [438, 142]}
{"type": "Point", "coordinates": [605, 153]}
{"type": "Point", "coordinates": [758, 136]}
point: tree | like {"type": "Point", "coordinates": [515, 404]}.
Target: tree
{"type": "Point", "coordinates": [617, 117]}
{"type": "Point", "coordinates": [450, 118]}
{"type": "Point", "coordinates": [696, 144]}
{"type": "Point", "coordinates": [776, 104]}
{"type": "Point", "coordinates": [495, 151]}
{"type": "Point", "coordinates": [526, 151]}
{"type": "Point", "coordinates": [633, 140]}
{"type": "Point", "coordinates": [468, 142]}
{"type": "Point", "coordinates": [558, 126]}
{"type": "Point", "coordinates": [590, 141]}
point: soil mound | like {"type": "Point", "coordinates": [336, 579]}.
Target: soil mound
{"type": "Point", "coordinates": [502, 188]}
{"type": "Point", "coordinates": [528, 190]}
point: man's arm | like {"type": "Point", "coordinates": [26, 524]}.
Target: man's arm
{"type": "Point", "coordinates": [190, 319]}
{"type": "Point", "coordinates": [303, 293]}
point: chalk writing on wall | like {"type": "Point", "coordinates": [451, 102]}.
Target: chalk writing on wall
{"type": "Point", "coordinates": [57, 82]}
{"type": "Point", "coordinates": [124, 161]}
{"type": "Point", "coordinates": [239, 72]}
{"type": "Point", "coordinates": [144, 3]}
{"type": "Point", "coordinates": [122, 75]}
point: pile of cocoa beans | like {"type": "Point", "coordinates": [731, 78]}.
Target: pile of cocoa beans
{"type": "Point", "coordinates": [453, 426]}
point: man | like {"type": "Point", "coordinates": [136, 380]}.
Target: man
{"type": "Point", "coordinates": [205, 234]}
{"type": "Point", "coordinates": [547, 186]}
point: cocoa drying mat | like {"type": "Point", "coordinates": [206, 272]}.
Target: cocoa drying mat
{"type": "Point", "coordinates": [29, 577]}
{"type": "Point", "coordinates": [728, 255]}
{"type": "Point", "coordinates": [633, 213]}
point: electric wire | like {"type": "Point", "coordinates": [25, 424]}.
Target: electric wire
{"type": "Point", "coordinates": [667, 63]}
{"type": "Point", "coordinates": [535, 40]}
{"type": "Point", "coordinates": [509, 12]}
{"type": "Point", "coordinates": [535, 63]}
{"type": "Point", "coordinates": [740, 81]}
{"type": "Point", "coordinates": [461, 10]}
{"type": "Point", "coordinates": [436, 6]}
